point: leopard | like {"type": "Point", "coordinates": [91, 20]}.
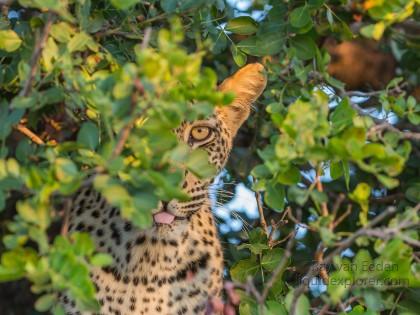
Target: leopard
{"type": "Point", "coordinates": [176, 266]}
{"type": "Point", "coordinates": [360, 64]}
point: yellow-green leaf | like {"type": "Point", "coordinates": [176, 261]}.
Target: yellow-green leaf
{"type": "Point", "coordinates": [9, 40]}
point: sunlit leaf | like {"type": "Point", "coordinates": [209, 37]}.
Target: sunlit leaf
{"type": "Point", "coordinates": [243, 25]}
{"type": "Point", "coordinates": [9, 40]}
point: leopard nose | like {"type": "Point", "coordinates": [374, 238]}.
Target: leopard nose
{"type": "Point", "coordinates": [165, 205]}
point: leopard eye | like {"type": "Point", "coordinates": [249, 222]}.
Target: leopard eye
{"type": "Point", "coordinates": [200, 133]}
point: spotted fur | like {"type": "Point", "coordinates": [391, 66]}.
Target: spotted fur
{"type": "Point", "coordinates": [168, 269]}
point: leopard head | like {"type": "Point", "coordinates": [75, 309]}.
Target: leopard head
{"type": "Point", "coordinates": [215, 135]}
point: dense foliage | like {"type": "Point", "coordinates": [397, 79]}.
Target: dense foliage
{"type": "Point", "coordinates": [90, 92]}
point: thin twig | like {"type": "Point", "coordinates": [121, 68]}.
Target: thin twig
{"type": "Point", "coordinates": [363, 112]}
{"type": "Point", "coordinates": [153, 19]}
{"type": "Point", "coordinates": [275, 227]}
{"type": "Point", "coordinates": [251, 287]}
{"type": "Point", "coordinates": [337, 204]}
{"type": "Point", "coordinates": [118, 32]}
{"type": "Point", "coordinates": [284, 239]}
{"type": "Point", "coordinates": [36, 55]}
{"type": "Point", "coordinates": [296, 221]}
{"type": "Point", "coordinates": [66, 216]}
{"type": "Point", "coordinates": [320, 188]}
{"type": "Point", "coordinates": [319, 258]}
{"type": "Point", "coordinates": [339, 247]}
{"type": "Point", "coordinates": [123, 137]}
{"type": "Point", "coordinates": [387, 199]}
{"type": "Point", "coordinates": [261, 213]}
{"type": "Point", "coordinates": [350, 301]}
{"type": "Point", "coordinates": [146, 38]}
{"type": "Point", "coordinates": [139, 89]}
{"type": "Point", "coordinates": [343, 216]}
{"type": "Point", "coordinates": [319, 254]}
{"type": "Point", "coordinates": [397, 89]}
{"type": "Point", "coordinates": [324, 309]}
{"type": "Point", "coordinates": [279, 268]}
{"type": "Point", "coordinates": [30, 134]}
{"type": "Point", "coordinates": [391, 232]}
{"type": "Point", "coordinates": [396, 303]}
{"type": "Point", "coordinates": [416, 256]}
{"type": "Point", "coordinates": [378, 129]}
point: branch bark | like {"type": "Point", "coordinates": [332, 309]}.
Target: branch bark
{"type": "Point", "coordinates": [263, 222]}
{"type": "Point", "coordinates": [30, 134]}
{"type": "Point", "coordinates": [378, 129]}
{"type": "Point", "coordinates": [339, 247]}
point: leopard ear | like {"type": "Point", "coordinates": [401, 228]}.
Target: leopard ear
{"type": "Point", "coordinates": [247, 84]}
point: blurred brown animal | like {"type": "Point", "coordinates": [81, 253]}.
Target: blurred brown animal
{"type": "Point", "coordinates": [416, 93]}
{"type": "Point", "coordinates": [360, 64]}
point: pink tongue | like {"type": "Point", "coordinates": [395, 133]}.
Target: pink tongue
{"type": "Point", "coordinates": [164, 217]}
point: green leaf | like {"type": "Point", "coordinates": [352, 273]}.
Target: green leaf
{"type": "Point", "coordinates": [256, 248]}
{"type": "Point", "coordinates": [65, 170]}
{"type": "Point", "coordinates": [62, 32]}
{"type": "Point", "coordinates": [45, 302]}
{"type": "Point", "coordinates": [361, 263]}
{"type": "Point", "coordinates": [13, 167]}
{"type": "Point", "coordinates": [10, 274]}
{"type": "Point", "coordinates": [336, 170]}
{"type": "Point", "coordinates": [373, 300]}
{"type": "Point", "coordinates": [346, 169]}
{"type": "Point", "coordinates": [339, 283]}
{"type": "Point", "coordinates": [169, 6]}
{"type": "Point", "coordinates": [302, 304]}
{"type": "Point", "coordinates": [298, 195]}
{"type": "Point", "coordinates": [271, 258]}
{"type": "Point", "coordinates": [26, 211]}
{"type": "Point", "coordinates": [257, 241]}
{"type": "Point", "coordinates": [342, 116]}
{"type": "Point", "coordinates": [291, 176]}
{"type": "Point", "coordinates": [374, 31]}
{"type": "Point", "coordinates": [124, 4]}
{"type": "Point", "coordinates": [262, 45]}
{"type": "Point", "coordinates": [300, 16]}
{"type": "Point", "coordinates": [360, 310]}
{"type": "Point", "coordinates": [88, 135]}
{"type": "Point", "coordinates": [244, 268]}
{"type": "Point", "coordinates": [387, 181]}
{"type": "Point", "coordinates": [80, 42]}
{"type": "Point", "coordinates": [198, 163]}
{"type": "Point", "coordinates": [304, 47]}
{"type": "Point", "coordinates": [243, 25]}
{"type": "Point", "coordinates": [414, 118]}
{"type": "Point", "coordinates": [83, 244]}
{"type": "Point", "coordinates": [275, 308]}
{"type": "Point", "coordinates": [361, 192]}
{"type": "Point", "coordinates": [274, 196]}
{"type": "Point", "coordinates": [101, 260]}
{"type": "Point", "coordinates": [330, 17]}
{"type": "Point", "coordinates": [260, 171]}
{"type": "Point", "coordinates": [413, 192]}
{"type": "Point", "coordinates": [238, 56]}
{"type": "Point", "coordinates": [58, 310]}
{"type": "Point", "coordinates": [9, 40]}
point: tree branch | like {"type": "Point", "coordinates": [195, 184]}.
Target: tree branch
{"type": "Point", "coordinates": [30, 134]}
{"type": "Point", "coordinates": [263, 222]}
{"type": "Point", "coordinates": [279, 269]}
{"type": "Point", "coordinates": [313, 271]}
{"type": "Point", "coordinates": [36, 55]}
{"type": "Point", "coordinates": [378, 129]}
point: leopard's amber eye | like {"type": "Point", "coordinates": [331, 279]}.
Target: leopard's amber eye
{"type": "Point", "coordinates": [200, 133]}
